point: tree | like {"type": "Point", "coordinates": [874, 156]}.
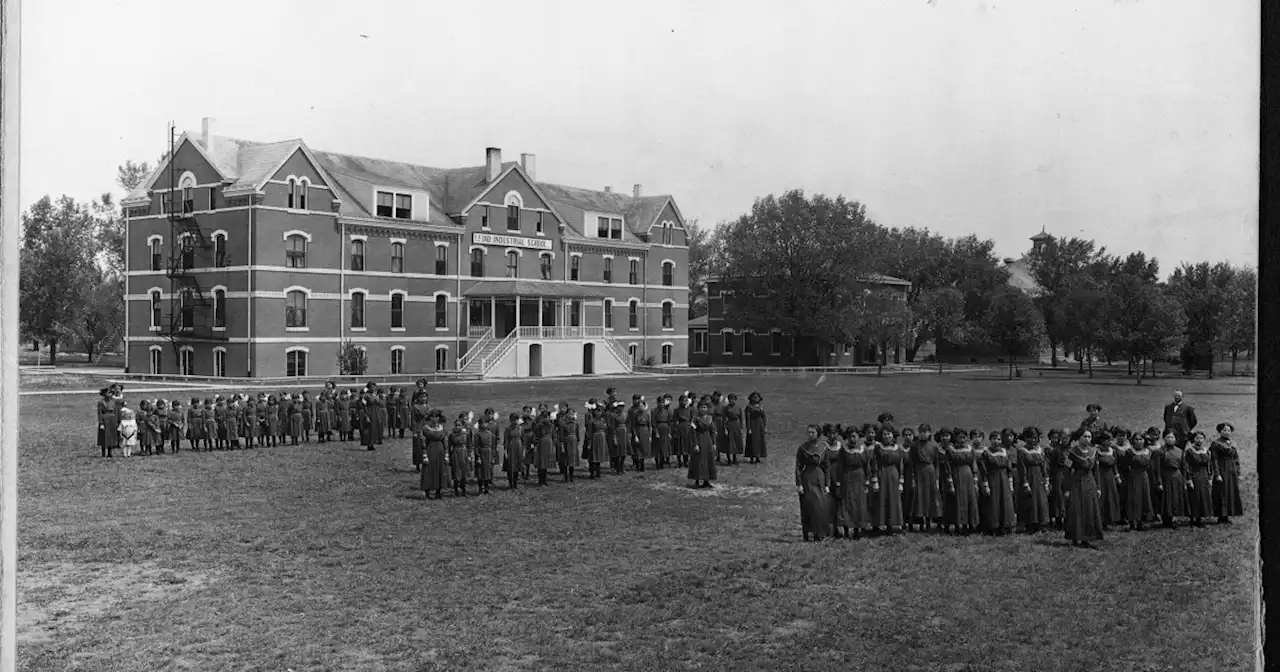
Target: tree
{"type": "Point", "coordinates": [1086, 315]}
{"type": "Point", "coordinates": [56, 264]}
{"type": "Point", "coordinates": [109, 232]}
{"type": "Point", "coordinates": [1238, 316]}
{"type": "Point", "coordinates": [100, 321]}
{"type": "Point", "coordinates": [1013, 324]}
{"type": "Point", "coordinates": [130, 175]}
{"type": "Point", "coordinates": [1198, 289]}
{"type": "Point", "coordinates": [790, 263]}
{"type": "Point", "coordinates": [940, 313]}
{"type": "Point", "coordinates": [352, 359]}
{"type": "Point", "coordinates": [1151, 322]}
{"type": "Point", "coordinates": [881, 317]}
{"type": "Point", "coordinates": [1054, 265]}
{"type": "Point", "coordinates": [704, 260]}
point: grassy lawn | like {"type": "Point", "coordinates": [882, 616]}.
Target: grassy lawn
{"type": "Point", "coordinates": [326, 557]}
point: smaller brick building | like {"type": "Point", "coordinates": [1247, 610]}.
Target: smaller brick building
{"type": "Point", "coordinates": [713, 342]}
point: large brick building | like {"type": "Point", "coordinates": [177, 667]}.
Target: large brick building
{"type": "Point", "coordinates": [260, 259]}
{"type": "Point", "coordinates": [714, 341]}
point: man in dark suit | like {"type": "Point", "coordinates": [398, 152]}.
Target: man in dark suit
{"type": "Point", "coordinates": [1180, 417]}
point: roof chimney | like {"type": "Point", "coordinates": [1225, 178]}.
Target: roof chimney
{"type": "Point", "coordinates": [530, 164]}
{"type": "Point", "coordinates": [206, 134]}
{"type": "Point", "coordinates": [637, 190]}
{"type": "Point", "coordinates": [608, 189]}
{"type": "Point", "coordinates": [492, 163]}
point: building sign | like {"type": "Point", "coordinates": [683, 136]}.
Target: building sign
{"type": "Point", "coordinates": [511, 241]}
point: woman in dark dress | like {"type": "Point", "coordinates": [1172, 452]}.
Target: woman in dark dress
{"type": "Point", "coordinates": [1173, 483]}
{"type": "Point", "coordinates": [855, 475]}
{"type": "Point", "coordinates": [513, 447]}
{"type": "Point", "coordinates": [1226, 475]}
{"type": "Point", "coordinates": [1032, 477]}
{"type": "Point", "coordinates": [811, 485]}
{"type": "Point", "coordinates": [1108, 477]}
{"type": "Point", "coordinates": [108, 423]}
{"type": "Point", "coordinates": [757, 447]}
{"type": "Point", "coordinates": [1084, 522]}
{"type": "Point", "coordinates": [702, 463]}
{"type": "Point", "coordinates": [544, 458]}
{"type": "Point", "coordinates": [734, 436]}
{"type": "Point", "coordinates": [925, 500]}
{"type": "Point", "coordinates": [832, 436]}
{"type": "Point", "coordinates": [1058, 473]}
{"type": "Point", "coordinates": [662, 432]}
{"type": "Point", "coordinates": [435, 473]}
{"type": "Point", "coordinates": [485, 444]}
{"type": "Point", "coordinates": [887, 484]}
{"type": "Point", "coordinates": [419, 423]}
{"type": "Point", "coordinates": [962, 461]}
{"type": "Point", "coordinates": [621, 444]}
{"type": "Point", "coordinates": [1139, 482]}
{"type": "Point", "coordinates": [997, 466]}
{"type": "Point", "coordinates": [460, 455]}
{"type": "Point", "coordinates": [1197, 464]}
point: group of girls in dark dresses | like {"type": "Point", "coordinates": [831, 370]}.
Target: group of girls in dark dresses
{"type": "Point", "coordinates": [695, 433]}
{"type": "Point", "coordinates": [875, 479]}
{"type": "Point", "coordinates": [256, 420]}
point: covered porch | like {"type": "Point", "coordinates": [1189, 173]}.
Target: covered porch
{"type": "Point", "coordinates": [538, 309]}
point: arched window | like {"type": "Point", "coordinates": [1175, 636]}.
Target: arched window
{"type": "Point", "coordinates": [442, 358]}
{"type": "Point", "coordinates": [666, 233]}
{"type": "Point", "coordinates": [156, 356]}
{"type": "Point", "coordinates": [608, 313]}
{"type": "Point", "coordinates": [220, 250]}
{"type": "Point", "coordinates": [544, 264]}
{"type": "Point", "coordinates": [575, 267]}
{"type": "Point", "coordinates": [397, 257]}
{"type": "Point", "coordinates": [188, 305]}
{"type": "Point", "coordinates": [631, 352]}
{"type": "Point", "coordinates": [220, 362]}
{"type": "Point", "coordinates": [668, 314]}
{"type": "Point", "coordinates": [187, 247]}
{"type": "Point", "coordinates": [291, 198]}
{"type": "Point", "coordinates": [397, 311]}
{"type": "Point", "coordinates": [295, 251]}
{"type": "Point", "coordinates": [186, 361]}
{"type": "Point", "coordinates": [442, 311]}
{"type": "Point", "coordinates": [295, 309]}
{"type": "Point", "coordinates": [157, 260]}
{"type": "Point", "coordinates": [633, 314]}
{"type": "Point", "coordinates": [666, 353]}
{"type": "Point", "coordinates": [477, 263]}
{"type": "Point", "coordinates": [633, 277]}
{"type": "Point", "coordinates": [188, 186]}
{"type": "Point", "coordinates": [219, 309]}
{"type": "Point", "coordinates": [513, 217]}
{"type": "Point", "coordinates": [397, 359]}
{"type": "Point", "coordinates": [300, 200]}
{"type": "Point", "coordinates": [296, 362]}
{"type": "Point", "coordinates": [155, 310]}
{"type": "Point", "coordinates": [357, 255]}
{"type": "Point", "coordinates": [608, 269]}
{"type": "Point", "coordinates": [357, 310]}
{"type": "Point", "coordinates": [748, 345]}
{"type": "Point", "coordinates": [442, 260]}
{"type": "Point", "coordinates": [668, 274]}
{"type": "Point", "coordinates": [513, 264]}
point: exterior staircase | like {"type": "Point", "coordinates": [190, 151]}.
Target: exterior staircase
{"type": "Point", "coordinates": [488, 351]}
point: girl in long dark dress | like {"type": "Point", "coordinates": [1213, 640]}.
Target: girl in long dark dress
{"type": "Point", "coordinates": [420, 413]}
{"type": "Point", "coordinates": [925, 501]}
{"type": "Point", "coordinates": [545, 456]}
{"type": "Point", "coordinates": [831, 436]}
{"type": "Point", "coordinates": [1173, 483]}
{"type": "Point", "coordinates": [855, 475]}
{"type": "Point", "coordinates": [734, 436]}
{"type": "Point", "coordinates": [459, 456]}
{"type": "Point", "coordinates": [702, 463]}
{"type": "Point", "coordinates": [435, 473]}
{"type": "Point", "coordinates": [756, 422]}
{"type": "Point", "coordinates": [811, 485]}
{"type": "Point", "coordinates": [908, 479]}
{"type": "Point", "coordinates": [1138, 481]}
{"type": "Point", "coordinates": [889, 458]}
{"type": "Point", "coordinates": [1197, 464]}
{"type": "Point", "coordinates": [598, 429]}
{"type": "Point", "coordinates": [962, 461]}
{"type": "Point", "coordinates": [998, 487]}
{"type": "Point", "coordinates": [621, 444]}
{"type": "Point", "coordinates": [1108, 476]}
{"type": "Point", "coordinates": [513, 444]}
{"type": "Point", "coordinates": [109, 422]}
{"type": "Point", "coordinates": [1058, 472]}
{"type": "Point", "coordinates": [1032, 478]}
{"type": "Point", "coordinates": [682, 431]}
{"type": "Point", "coordinates": [662, 432]}
{"type": "Point", "coordinates": [1084, 522]}
{"type": "Point", "coordinates": [485, 442]}
{"type": "Point", "coordinates": [1226, 475]}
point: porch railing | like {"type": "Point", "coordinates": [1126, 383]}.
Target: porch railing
{"type": "Point", "coordinates": [503, 348]}
{"type": "Point", "coordinates": [561, 333]}
{"type": "Point", "coordinates": [474, 349]}
{"type": "Point", "coordinates": [623, 356]}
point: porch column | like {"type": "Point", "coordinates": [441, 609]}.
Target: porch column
{"type": "Point", "coordinates": [466, 321]}
{"type": "Point", "coordinates": [540, 325]}
{"type": "Point", "coordinates": [517, 313]}
{"type": "Point", "coordinates": [493, 313]}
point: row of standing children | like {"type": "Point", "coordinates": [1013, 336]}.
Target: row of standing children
{"type": "Point", "coordinates": [219, 423]}
{"type": "Point", "coordinates": [546, 438]}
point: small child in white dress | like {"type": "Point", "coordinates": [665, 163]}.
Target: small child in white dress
{"type": "Point", "coordinates": [128, 431]}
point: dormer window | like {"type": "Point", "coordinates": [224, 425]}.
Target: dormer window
{"type": "Point", "coordinates": [394, 205]}
{"type": "Point", "coordinates": [609, 227]}
{"type": "Point", "coordinates": [188, 186]}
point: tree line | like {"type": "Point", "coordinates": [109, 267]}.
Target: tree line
{"type": "Point", "coordinates": [809, 265]}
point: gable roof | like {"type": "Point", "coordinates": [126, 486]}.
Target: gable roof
{"type": "Point", "coordinates": [638, 213]}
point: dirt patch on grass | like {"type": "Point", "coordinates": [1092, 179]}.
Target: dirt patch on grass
{"type": "Point", "coordinates": [713, 491]}
{"type": "Point", "coordinates": [55, 596]}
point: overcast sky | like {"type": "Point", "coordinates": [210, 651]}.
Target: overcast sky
{"type": "Point", "coordinates": [1131, 122]}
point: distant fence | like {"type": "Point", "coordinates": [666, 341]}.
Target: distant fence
{"type": "Point", "coordinates": [406, 379]}
{"type": "Point", "coordinates": [893, 369]}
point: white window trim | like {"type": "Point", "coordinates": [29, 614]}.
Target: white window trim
{"type": "Point", "coordinates": [545, 253]}
{"type": "Point", "coordinates": [295, 232]}
{"type": "Point", "coordinates": [445, 243]}
{"type": "Point", "coordinates": [667, 344]}
{"type": "Point", "coordinates": [603, 256]}
{"type": "Point", "coordinates": [519, 252]}
{"type": "Point", "coordinates": [216, 351]}
{"type": "Point", "coordinates": [187, 176]}
{"type": "Point", "coordinates": [397, 347]}
{"type": "Point", "coordinates": [150, 310]}
{"type": "Point", "coordinates": [351, 294]}
{"type": "Point", "coordinates": [360, 237]}
{"type": "Point", "coordinates": [402, 241]}
{"type": "Point", "coordinates": [608, 306]}
{"type": "Point", "coordinates": [506, 200]}
{"type": "Point", "coordinates": [575, 254]}
{"type": "Point", "coordinates": [413, 202]}
{"type": "Point", "coordinates": [155, 237]}
{"type": "Point", "coordinates": [482, 249]}
{"type": "Point", "coordinates": [404, 305]}
{"type": "Point", "coordinates": [673, 314]}
{"type": "Point", "coordinates": [639, 314]}
{"type": "Point", "coordinates": [446, 295]}
{"type": "Point", "coordinates": [435, 298]}
{"type": "Point", "coordinates": [307, 293]}
{"type": "Point", "coordinates": [151, 368]}
{"type": "Point", "coordinates": [297, 348]}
